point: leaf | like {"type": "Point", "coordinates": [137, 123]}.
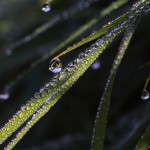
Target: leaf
{"type": "Point", "coordinates": [101, 117]}
{"type": "Point", "coordinates": [35, 109]}
{"type": "Point", "coordinates": [93, 36]}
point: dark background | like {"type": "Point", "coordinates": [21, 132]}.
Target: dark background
{"type": "Point", "coordinates": [69, 124]}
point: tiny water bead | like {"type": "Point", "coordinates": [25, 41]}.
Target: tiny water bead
{"type": "Point", "coordinates": [4, 96]}
{"type": "Point", "coordinates": [55, 65]}
{"type": "Point", "coordinates": [46, 7]}
{"type": "Point", "coordinates": [145, 95]}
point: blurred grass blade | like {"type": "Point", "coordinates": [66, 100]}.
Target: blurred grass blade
{"type": "Point", "coordinates": [144, 143]}
{"type": "Point", "coordinates": [101, 117]}
{"type": "Point", "coordinates": [73, 36]}
{"type": "Point", "coordinates": [100, 32]}
{"type": "Point", "coordinates": [59, 85]}
{"type": "Point", "coordinates": [56, 19]}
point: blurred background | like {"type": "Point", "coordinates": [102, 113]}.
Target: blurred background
{"type": "Point", "coordinates": [69, 124]}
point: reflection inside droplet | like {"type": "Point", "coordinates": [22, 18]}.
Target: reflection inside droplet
{"type": "Point", "coordinates": [145, 95]}
{"type": "Point", "coordinates": [46, 7]}
{"type": "Point", "coordinates": [4, 96]}
{"type": "Point", "coordinates": [55, 65]}
{"type": "Point", "coordinates": [96, 65]}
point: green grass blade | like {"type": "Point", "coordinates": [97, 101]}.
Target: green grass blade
{"type": "Point", "coordinates": [144, 144]}
{"type": "Point", "coordinates": [37, 108]}
{"type": "Point", "coordinates": [101, 118]}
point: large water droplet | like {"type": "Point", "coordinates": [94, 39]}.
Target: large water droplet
{"type": "Point", "coordinates": [46, 7]}
{"type": "Point", "coordinates": [145, 95]}
{"type": "Point", "coordinates": [4, 96]}
{"type": "Point", "coordinates": [55, 65]}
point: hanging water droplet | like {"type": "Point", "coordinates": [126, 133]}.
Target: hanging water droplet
{"type": "Point", "coordinates": [4, 96]}
{"type": "Point", "coordinates": [96, 65]}
{"type": "Point", "coordinates": [46, 7]}
{"type": "Point", "coordinates": [145, 95]}
{"type": "Point", "coordinates": [55, 65]}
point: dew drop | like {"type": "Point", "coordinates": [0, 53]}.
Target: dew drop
{"type": "Point", "coordinates": [46, 7]}
{"type": "Point", "coordinates": [4, 96]}
{"type": "Point", "coordinates": [145, 95]}
{"type": "Point", "coordinates": [80, 58]}
{"type": "Point", "coordinates": [37, 95]}
{"type": "Point", "coordinates": [41, 90]}
{"type": "Point", "coordinates": [70, 64]}
{"type": "Point", "coordinates": [55, 65]}
{"type": "Point", "coordinates": [96, 65]}
{"type": "Point", "coordinates": [47, 85]}
{"type": "Point", "coordinates": [63, 76]}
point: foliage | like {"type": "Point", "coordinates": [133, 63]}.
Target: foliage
{"type": "Point", "coordinates": [52, 91]}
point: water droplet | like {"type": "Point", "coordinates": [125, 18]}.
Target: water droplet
{"type": "Point", "coordinates": [99, 42]}
{"type": "Point", "coordinates": [87, 52]}
{"type": "Point", "coordinates": [42, 90]}
{"type": "Point", "coordinates": [46, 7]}
{"type": "Point", "coordinates": [93, 48]}
{"type": "Point", "coordinates": [70, 64]}
{"type": "Point", "coordinates": [47, 85]}
{"type": "Point", "coordinates": [55, 66]}
{"type": "Point", "coordinates": [4, 96]}
{"type": "Point", "coordinates": [20, 115]}
{"type": "Point", "coordinates": [80, 58]}
{"type": "Point", "coordinates": [37, 95]}
{"type": "Point", "coordinates": [145, 95]}
{"type": "Point", "coordinates": [96, 65]}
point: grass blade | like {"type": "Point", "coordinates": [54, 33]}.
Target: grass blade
{"type": "Point", "coordinates": [38, 107]}
{"type": "Point", "coordinates": [101, 118]}
{"type": "Point", "coordinates": [144, 144]}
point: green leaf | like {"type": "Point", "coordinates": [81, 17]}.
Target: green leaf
{"type": "Point", "coordinates": [43, 102]}
{"type": "Point", "coordinates": [102, 114]}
